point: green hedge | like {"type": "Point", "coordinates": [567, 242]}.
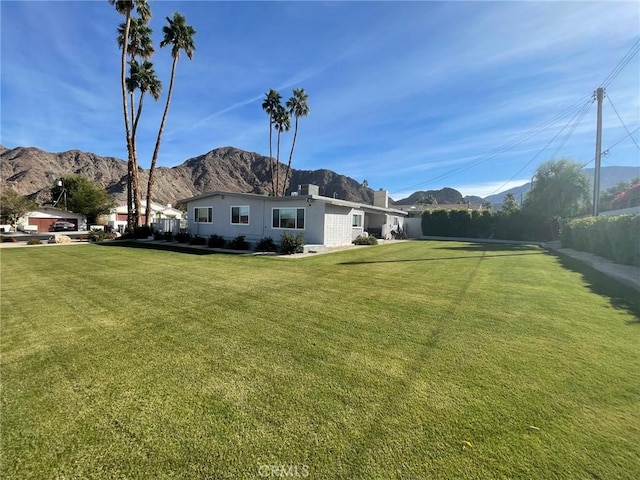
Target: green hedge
{"type": "Point", "coordinates": [616, 238]}
{"type": "Point", "coordinates": [499, 225]}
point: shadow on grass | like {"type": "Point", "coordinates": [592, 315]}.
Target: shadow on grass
{"type": "Point", "coordinates": [159, 246]}
{"type": "Point", "coordinates": [488, 247]}
{"type": "Point", "coordinates": [621, 296]}
{"type": "Point", "coordinates": [435, 259]}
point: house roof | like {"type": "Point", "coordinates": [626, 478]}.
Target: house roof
{"type": "Point", "coordinates": [319, 198]}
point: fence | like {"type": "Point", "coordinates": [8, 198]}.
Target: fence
{"type": "Point", "coordinates": [172, 225]}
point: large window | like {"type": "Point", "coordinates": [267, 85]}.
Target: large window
{"type": "Point", "coordinates": [203, 214]}
{"type": "Point", "coordinates": [240, 215]}
{"type": "Point", "coordinates": [357, 220]}
{"type": "Point", "coordinates": [288, 218]}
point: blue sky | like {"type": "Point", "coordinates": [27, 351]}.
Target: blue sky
{"type": "Point", "coordinates": [407, 95]}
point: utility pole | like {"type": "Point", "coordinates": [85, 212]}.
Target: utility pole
{"type": "Point", "coordinates": [599, 93]}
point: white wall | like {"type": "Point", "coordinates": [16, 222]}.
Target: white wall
{"type": "Point", "coordinates": [260, 218]}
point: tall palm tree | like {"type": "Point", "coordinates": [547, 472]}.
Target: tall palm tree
{"type": "Point", "coordinates": [270, 106]}
{"type": "Point", "coordinates": [138, 45]}
{"type": "Point", "coordinates": [180, 36]}
{"type": "Point", "coordinates": [126, 7]}
{"type": "Point", "coordinates": [298, 107]}
{"type": "Point", "coordinates": [282, 123]}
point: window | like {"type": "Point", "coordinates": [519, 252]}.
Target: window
{"type": "Point", "coordinates": [288, 218]}
{"type": "Point", "coordinates": [203, 214]}
{"type": "Point", "coordinates": [357, 220]}
{"type": "Point", "coordinates": [240, 215]}
{"type": "Point", "coordinates": [395, 220]}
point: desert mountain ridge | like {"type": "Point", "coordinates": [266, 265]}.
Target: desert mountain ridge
{"type": "Point", "coordinates": [32, 172]}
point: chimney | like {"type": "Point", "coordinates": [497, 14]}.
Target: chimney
{"type": "Point", "coordinates": [381, 198]}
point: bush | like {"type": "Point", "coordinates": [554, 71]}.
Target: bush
{"type": "Point", "coordinates": [34, 241]}
{"type": "Point", "coordinates": [615, 238]}
{"type": "Point", "coordinates": [291, 244]}
{"type": "Point", "coordinates": [266, 244]}
{"type": "Point", "coordinates": [216, 241]}
{"type": "Point", "coordinates": [197, 240]}
{"type": "Point", "coordinates": [239, 243]}
{"type": "Point", "coordinates": [96, 235]}
{"type": "Point", "coordinates": [167, 236]}
{"type": "Point", "coordinates": [362, 240]}
{"type": "Point", "coordinates": [183, 237]}
{"type": "Point", "coordinates": [142, 232]}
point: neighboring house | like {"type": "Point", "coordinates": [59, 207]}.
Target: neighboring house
{"type": "Point", "coordinates": [42, 219]}
{"type": "Point", "coordinates": [117, 219]}
{"type": "Point", "coordinates": [324, 221]}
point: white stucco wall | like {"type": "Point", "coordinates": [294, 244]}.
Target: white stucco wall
{"type": "Point", "coordinates": [260, 218]}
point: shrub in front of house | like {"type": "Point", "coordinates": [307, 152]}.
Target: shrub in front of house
{"type": "Point", "coordinates": [266, 244]}
{"type": "Point", "coordinates": [167, 236]}
{"type": "Point", "coordinates": [197, 240]}
{"type": "Point", "coordinates": [362, 240]}
{"type": "Point", "coordinates": [34, 241]}
{"type": "Point", "coordinates": [290, 244]}
{"type": "Point", "coordinates": [183, 237]}
{"type": "Point", "coordinates": [96, 235]}
{"type": "Point", "coordinates": [239, 243]}
{"type": "Point", "coordinates": [216, 241]}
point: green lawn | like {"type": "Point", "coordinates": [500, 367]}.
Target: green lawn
{"type": "Point", "coordinates": [379, 362]}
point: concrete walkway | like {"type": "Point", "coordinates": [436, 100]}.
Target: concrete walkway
{"type": "Point", "coordinates": [626, 274]}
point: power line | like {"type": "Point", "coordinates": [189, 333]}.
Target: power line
{"type": "Point", "coordinates": [620, 118]}
{"type": "Point", "coordinates": [507, 146]}
{"type": "Point", "coordinates": [606, 150]}
{"type": "Point", "coordinates": [572, 129]}
{"type": "Point", "coordinates": [633, 51]}
{"type": "Point", "coordinates": [581, 113]}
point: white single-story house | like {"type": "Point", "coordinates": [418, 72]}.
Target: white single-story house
{"type": "Point", "coordinates": [324, 221]}
{"type": "Point", "coordinates": [41, 219]}
{"type": "Point", "coordinates": [117, 218]}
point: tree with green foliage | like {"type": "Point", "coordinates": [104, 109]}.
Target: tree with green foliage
{"type": "Point", "coordinates": [270, 105]}
{"type": "Point", "coordinates": [13, 206]}
{"type": "Point", "coordinates": [84, 197]}
{"type": "Point", "coordinates": [126, 8]}
{"type": "Point", "coordinates": [298, 107]}
{"type": "Point", "coordinates": [510, 204]}
{"type": "Point", "coordinates": [560, 189]}
{"type": "Point", "coordinates": [179, 36]}
{"type": "Point", "coordinates": [282, 123]}
{"type": "Point", "coordinates": [617, 197]}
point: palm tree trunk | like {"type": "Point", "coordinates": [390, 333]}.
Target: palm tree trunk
{"type": "Point", "coordinates": [273, 188]}
{"type": "Point", "coordinates": [278, 166]}
{"type": "Point", "coordinates": [135, 187]}
{"type": "Point", "coordinates": [293, 145]}
{"type": "Point", "coordinates": [123, 82]}
{"type": "Point", "coordinates": [156, 150]}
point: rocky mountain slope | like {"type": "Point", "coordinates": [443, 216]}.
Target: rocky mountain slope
{"type": "Point", "coordinates": [31, 171]}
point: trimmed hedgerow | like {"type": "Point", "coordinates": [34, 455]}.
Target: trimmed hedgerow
{"type": "Point", "coordinates": [615, 237]}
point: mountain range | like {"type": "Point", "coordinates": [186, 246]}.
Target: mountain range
{"type": "Point", "coordinates": [32, 172]}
